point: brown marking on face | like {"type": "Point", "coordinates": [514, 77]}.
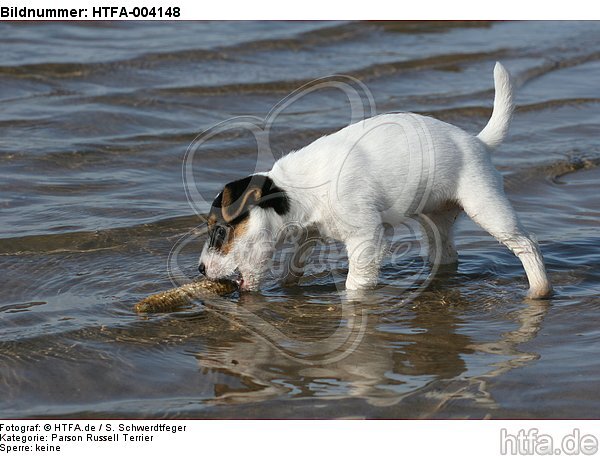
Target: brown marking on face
{"type": "Point", "coordinates": [239, 229]}
{"type": "Point", "coordinates": [212, 219]}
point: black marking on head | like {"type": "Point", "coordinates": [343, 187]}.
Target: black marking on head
{"type": "Point", "coordinates": [231, 207]}
{"type": "Point", "coordinates": [238, 197]}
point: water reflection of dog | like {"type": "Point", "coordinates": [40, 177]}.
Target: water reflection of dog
{"type": "Point", "coordinates": [411, 355]}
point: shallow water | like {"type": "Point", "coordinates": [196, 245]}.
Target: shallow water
{"type": "Point", "coordinates": [95, 120]}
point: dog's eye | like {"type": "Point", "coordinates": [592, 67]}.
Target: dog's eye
{"type": "Point", "coordinates": [218, 236]}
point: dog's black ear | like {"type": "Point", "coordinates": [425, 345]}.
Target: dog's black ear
{"type": "Point", "coordinates": [238, 197]}
{"type": "Point", "coordinates": [273, 197]}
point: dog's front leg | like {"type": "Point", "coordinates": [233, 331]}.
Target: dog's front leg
{"type": "Point", "coordinates": [294, 267]}
{"type": "Point", "coordinates": [364, 259]}
{"type": "Point", "coordinates": [299, 243]}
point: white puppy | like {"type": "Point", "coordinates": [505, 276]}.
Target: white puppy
{"type": "Point", "coordinates": [378, 171]}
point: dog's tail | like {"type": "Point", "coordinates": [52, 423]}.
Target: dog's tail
{"type": "Point", "coordinates": [497, 128]}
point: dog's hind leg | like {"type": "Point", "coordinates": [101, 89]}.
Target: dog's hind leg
{"type": "Point", "coordinates": [438, 228]}
{"type": "Point", "coordinates": [488, 206]}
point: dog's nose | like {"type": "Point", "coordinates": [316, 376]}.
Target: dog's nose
{"type": "Point", "coordinates": [202, 269]}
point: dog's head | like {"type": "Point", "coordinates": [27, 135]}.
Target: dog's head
{"type": "Point", "coordinates": [242, 226]}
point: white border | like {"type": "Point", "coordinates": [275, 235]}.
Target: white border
{"type": "Point", "coordinates": [344, 9]}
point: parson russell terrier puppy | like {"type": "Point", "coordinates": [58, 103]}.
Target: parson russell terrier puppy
{"type": "Point", "coordinates": [375, 172]}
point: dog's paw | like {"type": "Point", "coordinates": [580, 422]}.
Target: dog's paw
{"type": "Point", "coordinates": [356, 283]}
{"type": "Point", "coordinates": [540, 292]}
